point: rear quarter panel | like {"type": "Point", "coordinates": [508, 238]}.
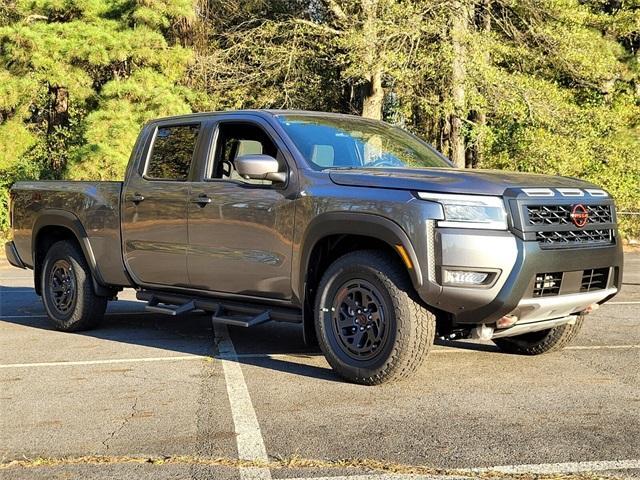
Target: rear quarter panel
{"type": "Point", "coordinates": [96, 205]}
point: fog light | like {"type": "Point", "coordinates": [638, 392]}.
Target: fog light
{"type": "Point", "coordinates": [506, 321]}
{"type": "Point", "coordinates": [464, 277]}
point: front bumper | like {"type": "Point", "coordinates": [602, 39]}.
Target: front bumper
{"type": "Point", "coordinates": [542, 308]}
{"type": "Point", "coordinates": [535, 314]}
{"type": "Point", "coordinates": [518, 262]}
{"type": "Point", "coordinates": [530, 327]}
{"type": "Point", "coordinates": [12, 255]}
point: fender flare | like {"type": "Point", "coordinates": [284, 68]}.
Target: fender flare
{"type": "Point", "coordinates": [65, 219]}
{"type": "Point", "coordinates": [348, 223]}
{"type": "Point", "coordinates": [354, 223]}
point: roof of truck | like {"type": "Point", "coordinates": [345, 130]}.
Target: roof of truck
{"type": "Point", "coordinates": [261, 112]}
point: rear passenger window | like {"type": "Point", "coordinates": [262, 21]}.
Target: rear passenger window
{"type": "Point", "coordinates": [172, 152]}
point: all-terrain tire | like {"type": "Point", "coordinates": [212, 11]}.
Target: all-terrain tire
{"type": "Point", "coordinates": [409, 327]}
{"type": "Point", "coordinates": [545, 341]}
{"type": "Point", "coordinates": [67, 289]}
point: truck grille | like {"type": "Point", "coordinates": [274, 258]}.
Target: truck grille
{"type": "Point", "coordinates": [554, 227]}
{"type": "Point", "coordinates": [594, 279]}
{"type": "Point", "coordinates": [561, 214]}
{"type": "Point", "coordinates": [563, 283]}
{"type": "Point", "coordinates": [547, 284]}
{"type": "Point", "coordinates": [575, 237]}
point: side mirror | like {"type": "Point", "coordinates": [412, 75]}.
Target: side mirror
{"type": "Point", "coordinates": [260, 167]}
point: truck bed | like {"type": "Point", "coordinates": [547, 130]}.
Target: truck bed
{"type": "Point", "coordinates": [90, 209]}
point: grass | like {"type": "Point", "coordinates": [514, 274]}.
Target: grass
{"type": "Point", "coordinates": [294, 462]}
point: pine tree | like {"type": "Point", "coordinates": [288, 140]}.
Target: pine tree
{"type": "Point", "coordinates": [548, 86]}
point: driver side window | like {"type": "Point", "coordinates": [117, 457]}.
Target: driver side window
{"type": "Point", "coordinates": [236, 139]}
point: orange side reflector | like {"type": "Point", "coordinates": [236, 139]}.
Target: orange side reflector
{"type": "Point", "coordinates": [405, 256]}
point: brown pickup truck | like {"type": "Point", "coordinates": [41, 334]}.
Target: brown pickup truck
{"type": "Point", "coordinates": [357, 230]}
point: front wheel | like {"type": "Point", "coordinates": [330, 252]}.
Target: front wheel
{"type": "Point", "coordinates": [544, 341]}
{"type": "Point", "coordinates": [370, 327]}
{"type": "Point", "coordinates": [67, 289]}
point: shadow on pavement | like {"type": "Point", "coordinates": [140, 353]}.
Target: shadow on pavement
{"type": "Point", "coordinates": [479, 347]}
{"type": "Point", "coordinates": [127, 322]}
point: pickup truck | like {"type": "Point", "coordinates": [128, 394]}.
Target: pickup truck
{"type": "Point", "coordinates": [355, 229]}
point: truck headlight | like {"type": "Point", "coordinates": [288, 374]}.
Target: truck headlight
{"type": "Point", "coordinates": [470, 211]}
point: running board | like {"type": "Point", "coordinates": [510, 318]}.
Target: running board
{"type": "Point", "coordinates": [237, 313]}
{"type": "Point", "coordinates": [246, 322]}
{"type": "Point", "coordinates": [153, 305]}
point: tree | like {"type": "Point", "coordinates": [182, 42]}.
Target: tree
{"type": "Point", "coordinates": [79, 78]}
{"type": "Point", "coordinates": [548, 86]}
{"type": "Point", "coordinates": [460, 19]}
{"type": "Point", "coordinates": [262, 55]}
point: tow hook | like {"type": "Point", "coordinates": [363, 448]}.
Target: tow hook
{"type": "Point", "coordinates": [482, 332]}
{"type": "Point", "coordinates": [457, 334]}
{"type": "Point", "coordinates": [590, 309]}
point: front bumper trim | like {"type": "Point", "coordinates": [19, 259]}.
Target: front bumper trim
{"type": "Point", "coordinates": [521, 329]}
{"type": "Point", "coordinates": [543, 308]}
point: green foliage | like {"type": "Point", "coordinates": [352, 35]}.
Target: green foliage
{"type": "Point", "coordinates": [112, 129]}
{"type": "Point", "coordinates": [78, 78]}
{"type": "Point", "coordinates": [564, 99]}
{"type": "Point", "coordinates": [550, 86]}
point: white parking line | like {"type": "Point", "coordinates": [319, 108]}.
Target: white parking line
{"type": "Point", "coordinates": [104, 361]}
{"type": "Point", "coordinates": [444, 350]}
{"type": "Point", "coordinates": [571, 467]}
{"type": "Point", "coordinates": [465, 473]}
{"type": "Point", "coordinates": [387, 476]}
{"type": "Point", "coordinates": [248, 434]}
{"type": "Point", "coordinates": [601, 347]}
{"type": "Point", "coordinates": [233, 358]}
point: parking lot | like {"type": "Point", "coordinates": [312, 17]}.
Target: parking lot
{"type": "Point", "coordinates": [151, 396]}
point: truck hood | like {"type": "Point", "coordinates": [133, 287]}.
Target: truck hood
{"type": "Point", "coordinates": [450, 180]}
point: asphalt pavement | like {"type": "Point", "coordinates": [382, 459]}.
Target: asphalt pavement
{"type": "Point", "coordinates": [151, 396]}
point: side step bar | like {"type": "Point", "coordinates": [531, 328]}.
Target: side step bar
{"type": "Point", "coordinates": [153, 305]}
{"type": "Point", "coordinates": [246, 322]}
{"type": "Point", "coordinates": [229, 313]}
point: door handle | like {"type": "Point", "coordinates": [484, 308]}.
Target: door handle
{"type": "Point", "coordinates": [137, 198]}
{"type": "Point", "coordinates": [201, 200]}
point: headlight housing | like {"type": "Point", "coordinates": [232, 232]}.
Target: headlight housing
{"type": "Point", "coordinates": [470, 211]}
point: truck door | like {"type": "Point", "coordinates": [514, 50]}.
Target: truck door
{"type": "Point", "coordinates": [154, 208]}
{"type": "Point", "coordinates": [241, 231]}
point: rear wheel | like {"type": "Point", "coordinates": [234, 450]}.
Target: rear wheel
{"type": "Point", "coordinates": [67, 289]}
{"type": "Point", "coordinates": [544, 341]}
{"type": "Point", "coordinates": [369, 325]}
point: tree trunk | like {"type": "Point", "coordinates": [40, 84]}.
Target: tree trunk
{"type": "Point", "coordinates": [474, 154]}
{"type": "Point", "coordinates": [373, 97]}
{"type": "Point", "coordinates": [478, 116]}
{"type": "Point", "coordinates": [58, 117]}
{"type": "Point", "coordinates": [459, 31]}
{"type": "Point", "coordinates": [373, 93]}
{"type": "Point", "coordinates": [58, 108]}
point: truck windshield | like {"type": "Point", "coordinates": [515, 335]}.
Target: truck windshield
{"type": "Point", "coordinates": [351, 142]}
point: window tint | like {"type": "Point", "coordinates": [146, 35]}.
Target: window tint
{"type": "Point", "coordinates": [172, 152]}
{"type": "Point", "coordinates": [352, 142]}
{"type": "Point", "coordinates": [249, 147]}
{"type": "Point", "coordinates": [238, 139]}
